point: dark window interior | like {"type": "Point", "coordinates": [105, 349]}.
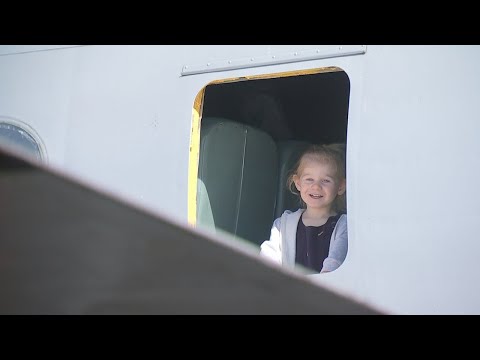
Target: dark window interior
{"type": "Point", "coordinates": [312, 108]}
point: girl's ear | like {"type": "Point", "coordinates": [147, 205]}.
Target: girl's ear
{"type": "Point", "coordinates": [296, 181]}
{"type": "Point", "coordinates": [343, 187]}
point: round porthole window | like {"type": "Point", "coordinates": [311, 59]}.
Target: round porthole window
{"type": "Point", "coordinates": [21, 138]}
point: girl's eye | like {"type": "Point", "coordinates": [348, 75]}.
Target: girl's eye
{"type": "Point", "coordinates": [325, 181]}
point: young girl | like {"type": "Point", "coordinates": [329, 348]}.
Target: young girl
{"type": "Point", "coordinates": [314, 236]}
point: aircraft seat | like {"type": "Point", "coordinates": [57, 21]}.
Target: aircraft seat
{"type": "Point", "coordinates": [237, 179]}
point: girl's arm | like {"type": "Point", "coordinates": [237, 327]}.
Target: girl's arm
{"type": "Point", "coordinates": [338, 248]}
{"type": "Point", "coordinates": [272, 249]}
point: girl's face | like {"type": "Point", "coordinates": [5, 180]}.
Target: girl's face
{"type": "Point", "coordinates": [318, 184]}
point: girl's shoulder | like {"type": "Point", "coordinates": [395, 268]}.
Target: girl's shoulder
{"type": "Point", "coordinates": [343, 216]}
{"type": "Point", "coordinates": [288, 213]}
{"type": "Point", "coordinates": [342, 220]}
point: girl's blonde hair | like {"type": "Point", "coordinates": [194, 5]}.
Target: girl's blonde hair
{"type": "Point", "coordinates": [333, 154]}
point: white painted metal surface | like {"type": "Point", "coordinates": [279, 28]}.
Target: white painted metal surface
{"type": "Point", "coordinates": [119, 117]}
{"type": "Point", "coordinates": [274, 59]}
{"type": "Point", "coordinates": [20, 49]}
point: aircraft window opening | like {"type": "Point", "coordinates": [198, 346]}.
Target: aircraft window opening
{"type": "Point", "coordinates": [277, 117]}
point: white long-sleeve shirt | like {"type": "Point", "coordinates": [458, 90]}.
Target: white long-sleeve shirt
{"type": "Point", "coordinates": [281, 246]}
